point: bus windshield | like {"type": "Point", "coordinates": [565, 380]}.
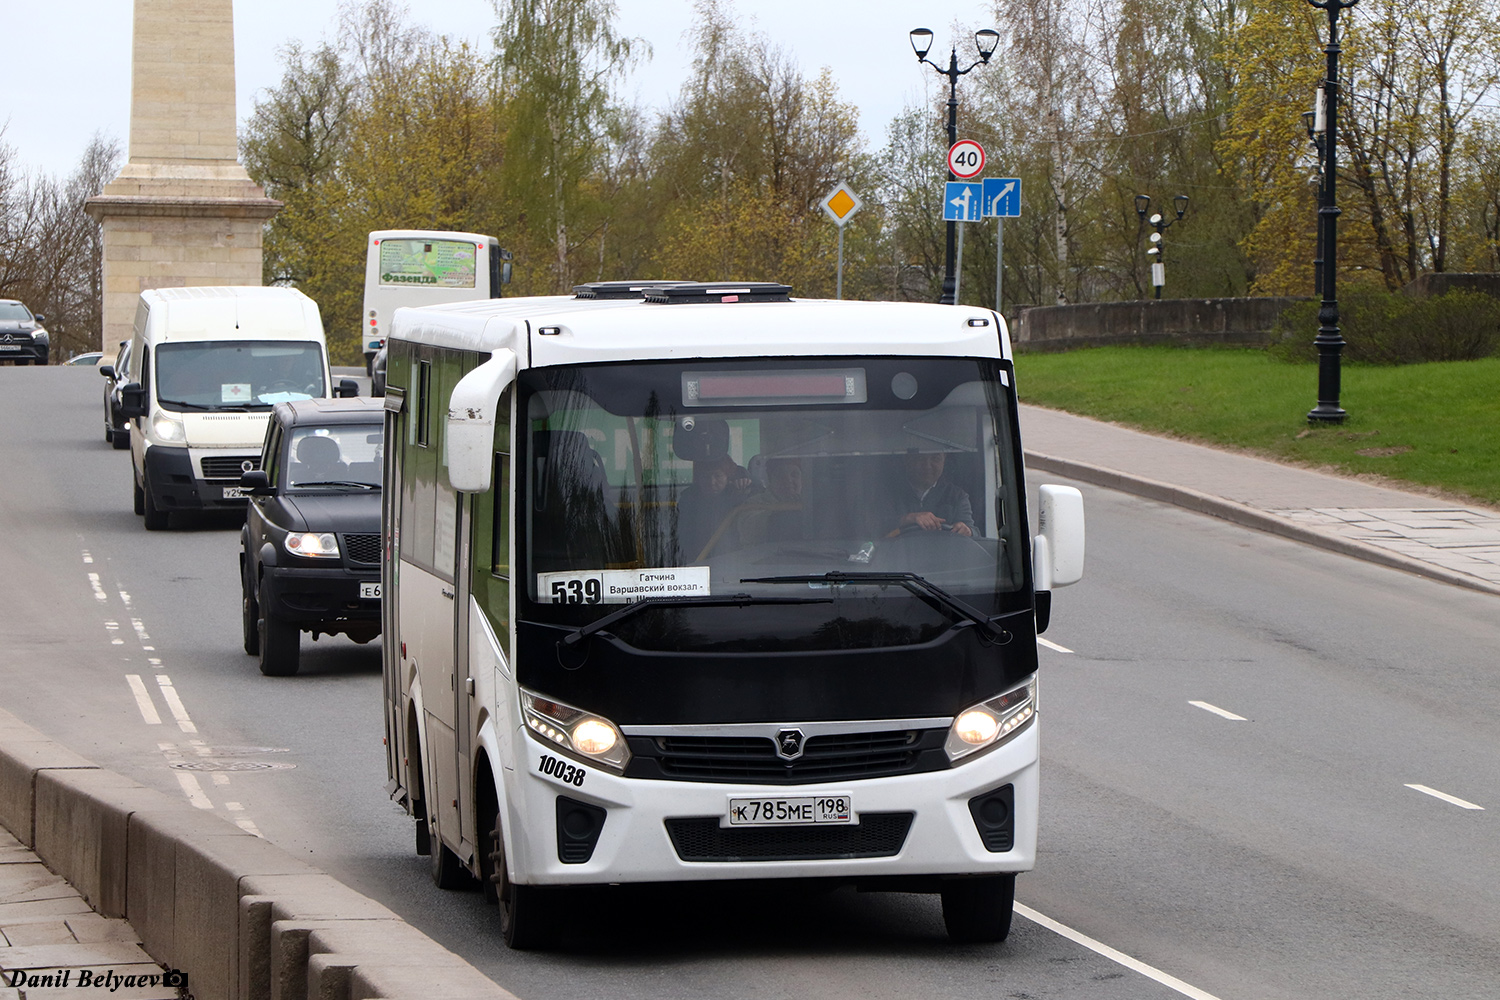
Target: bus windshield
{"type": "Point", "coordinates": [714, 478]}
{"type": "Point", "coordinates": [235, 374]}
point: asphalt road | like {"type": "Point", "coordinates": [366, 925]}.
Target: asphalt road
{"type": "Point", "coordinates": [1229, 744]}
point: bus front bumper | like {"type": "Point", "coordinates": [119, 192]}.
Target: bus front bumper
{"type": "Point", "coordinates": [671, 831]}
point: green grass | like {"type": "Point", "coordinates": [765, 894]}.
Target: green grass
{"type": "Point", "coordinates": [1436, 425]}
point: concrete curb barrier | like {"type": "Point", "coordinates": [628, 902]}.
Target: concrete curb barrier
{"type": "Point", "coordinates": [243, 918]}
{"type": "Point", "coordinates": [1249, 517]}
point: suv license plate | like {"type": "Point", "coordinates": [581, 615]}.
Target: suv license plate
{"type": "Point", "coordinates": [369, 590]}
{"type": "Point", "coordinates": [783, 810]}
{"type": "Point", "coordinates": [234, 493]}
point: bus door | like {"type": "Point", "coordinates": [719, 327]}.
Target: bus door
{"type": "Point", "coordinates": [463, 678]}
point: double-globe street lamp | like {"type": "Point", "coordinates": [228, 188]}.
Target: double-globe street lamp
{"type": "Point", "coordinates": [1157, 251]}
{"type": "Point", "coordinates": [985, 41]}
{"type": "Point", "coordinates": [1329, 343]}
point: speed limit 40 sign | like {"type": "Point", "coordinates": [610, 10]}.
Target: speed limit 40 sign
{"type": "Point", "coordinates": [966, 159]}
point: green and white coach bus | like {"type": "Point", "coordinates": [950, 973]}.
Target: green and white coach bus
{"type": "Point", "coordinates": [702, 582]}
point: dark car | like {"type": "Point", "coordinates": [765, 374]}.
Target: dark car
{"type": "Point", "coordinates": [116, 377]}
{"type": "Point", "coordinates": [23, 339]}
{"type": "Point", "coordinates": [310, 548]}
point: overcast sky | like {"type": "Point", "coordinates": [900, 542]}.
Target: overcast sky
{"type": "Point", "coordinates": [68, 62]}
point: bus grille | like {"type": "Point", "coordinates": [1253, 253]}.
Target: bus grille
{"type": "Point", "coordinates": [363, 547]}
{"type": "Point", "coordinates": [876, 835]}
{"type": "Point", "coordinates": [753, 759]}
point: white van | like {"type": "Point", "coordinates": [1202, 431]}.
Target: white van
{"type": "Point", "coordinates": [209, 363]}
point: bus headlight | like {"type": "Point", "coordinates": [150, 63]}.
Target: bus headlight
{"type": "Point", "coordinates": [312, 544]}
{"type": "Point", "coordinates": [579, 734]}
{"type": "Point", "coordinates": [167, 427]}
{"type": "Point", "coordinates": [991, 723]}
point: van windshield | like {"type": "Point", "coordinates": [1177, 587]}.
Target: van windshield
{"type": "Point", "coordinates": [238, 374]}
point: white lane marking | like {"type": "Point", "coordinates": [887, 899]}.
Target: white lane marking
{"type": "Point", "coordinates": [221, 779]}
{"type": "Point", "coordinates": [234, 807]}
{"type": "Point", "coordinates": [88, 557]}
{"type": "Point", "coordinates": [1052, 645]}
{"type": "Point", "coordinates": [143, 699]}
{"type": "Point", "coordinates": [193, 790]}
{"type": "Point", "coordinates": [99, 594]}
{"type": "Point", "coordinates": [1119, 957]}
{"type": "Point", "coordinates": [1450, 799]}
{"type": "Point", "coordinates": [174, 704]}
{"type": "Point", "coordinates": [125, 596]}
{"type": "Point", "coordinates": [1218, 711]}
{"type": "Point", "coordinates": [248, 825]}
{"type": "Point", "coordinates": [140, 630]}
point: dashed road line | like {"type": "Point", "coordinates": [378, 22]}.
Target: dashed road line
{"type": "Point", "coordinates": [98, 588]}
{"type": "Point", "coordinates": [1444, 796]}
{"type": "Point", "coordinates": [143, 699]}
{"type": "Point", "coordinates": [1052, 645]}
{"type": "Point", "coordinates": [1114, 955]}
{"type": "Point", "coordinates": [1223, 712]}
{"type": "Point", "coordinates": [174, 704]}
{"type": "Point", "coordinates": [193, 790]}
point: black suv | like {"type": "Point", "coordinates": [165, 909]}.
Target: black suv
{"type": "Point", "coordinates": [310, 548]}
{"type": "Point", "coordinates": [23, 339]}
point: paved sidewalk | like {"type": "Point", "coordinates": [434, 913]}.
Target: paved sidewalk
{"type": "Point", "coordinates": [48, 931]}
{"type": "Point", "coordinates": [1459, 544]}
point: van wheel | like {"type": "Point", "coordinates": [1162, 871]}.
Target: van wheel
{"type": "Point", "coordinates": [979, 910]}
{"type": "Point", "coordinates": [140, 498]}
{"type": "Point", "coordinates": [156, 518]}
{"type": "Point", "coordinates": [280, 641]}
{"type": "Point", "coordinates": [250, 618]}
{"type": "Point", "coordinates": [120, 438]}
{"type": "Point", "coordinates": [528, 913]}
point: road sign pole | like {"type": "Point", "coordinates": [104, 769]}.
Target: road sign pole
{"type": "Point", "coordinates": [958, 270]}
{"type": "Point", "coordinates": [840, 281]}
{"type": "Point", "coordinates": [999, 263]}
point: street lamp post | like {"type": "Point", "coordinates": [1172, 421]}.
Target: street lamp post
{"type": "Point", "coordinates": [1329, 343]}
{"type": "Point", "coordinates": [1157, 250]}
{"type": "Point", "coordinates": [985, 41]}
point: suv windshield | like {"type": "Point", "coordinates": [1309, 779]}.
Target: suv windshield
{"type": "Point", "coordinates": [234, 374]}
{"type": "Point", "coordinates": [709, 478]}
{"type": "Point", "coordinates": [339, 457]}
{"type": "Point", "coordinates": [14, 312]}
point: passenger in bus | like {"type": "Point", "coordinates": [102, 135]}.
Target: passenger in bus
{"type": "Point", "coordinates": [924, 501]}
{"type": "Point", "coordinates": [719, 486]}
{"type": "Point", "coordinates": [775, 512]}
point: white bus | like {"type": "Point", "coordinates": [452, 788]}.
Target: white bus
{"type": "Point", "coordinates": [418, 267]}
{"type": "Point", "coordinates": [710, 584]}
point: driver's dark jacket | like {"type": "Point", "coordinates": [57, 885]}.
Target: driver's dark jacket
{"type": "Point", "coordinates": [947, 501]}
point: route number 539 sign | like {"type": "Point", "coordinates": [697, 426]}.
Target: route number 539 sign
{"type": "Point", "coordinates": [966, 159]}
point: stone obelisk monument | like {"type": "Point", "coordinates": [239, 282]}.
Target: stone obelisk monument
{"type": "Point", "coordinates": [182, 210]}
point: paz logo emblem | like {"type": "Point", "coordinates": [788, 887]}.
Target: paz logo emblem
{"type": "Point", "coordinates": [247, 466]}
{"type": "Point", "coordinates": [789, 744]}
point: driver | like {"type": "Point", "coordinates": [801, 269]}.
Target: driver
{"type": "Point", "coordinates": [925, 500]}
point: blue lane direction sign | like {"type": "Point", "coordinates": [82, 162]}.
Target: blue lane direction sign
{"type": "Point", "coordinates": [1002, 197]}
{"type": "Point", "coordinates": [961, 201]}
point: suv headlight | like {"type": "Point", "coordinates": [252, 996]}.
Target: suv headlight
{"type": "Point", "coordinates": [167, 427]}
{"type": "Point", "coordinates": [313, 544]}
{"type": "Point", "coordinates": [991, 723]}
{"type": "Point", "coordinates": [579, 734]}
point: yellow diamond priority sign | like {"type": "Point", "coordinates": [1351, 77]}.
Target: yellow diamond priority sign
{"type": "Point", "coordinates": [841, 204]}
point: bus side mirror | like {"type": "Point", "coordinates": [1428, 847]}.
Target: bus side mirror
{"type": "Point", "coordinates": [1057, 550]}
{"type": "Point", "coordinates": [132, 401]}
{"type": "Point", "coordinates": [470, 446]}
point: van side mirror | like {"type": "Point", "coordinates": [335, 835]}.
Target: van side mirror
{"type": "Point", "coordinates": [257, 483]}
{"type": "Point", "coordinates": [347, 389]}
{"type": "Point", "coordinates": [132, 401]}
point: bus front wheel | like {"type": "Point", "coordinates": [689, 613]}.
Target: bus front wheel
{"type": "Point", "coordinates": [528, 913]}
{"type": "Point", "coordinates": [979, 910]}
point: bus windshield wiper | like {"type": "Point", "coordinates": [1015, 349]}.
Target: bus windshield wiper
{"type": "Point", "coordinates": [699, 600]}
{"type": "Point", "coordinates": [918, 585]}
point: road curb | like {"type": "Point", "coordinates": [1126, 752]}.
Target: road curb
{"type": "Point", "coordinates": [1250, 517]}
{"type": "Point", "coordinates": [243, 918]}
